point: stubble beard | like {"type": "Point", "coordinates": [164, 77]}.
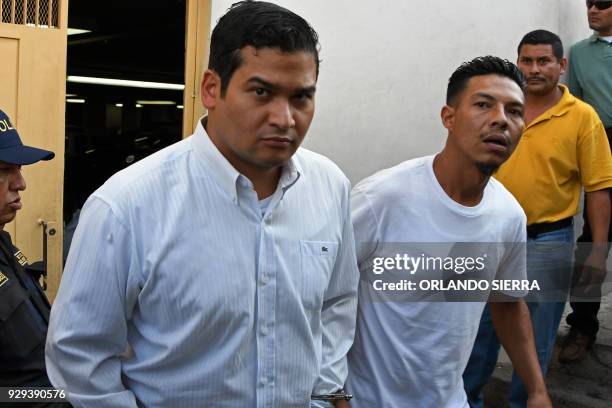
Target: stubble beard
{"type": "Point", "coordinates": [485, 169]}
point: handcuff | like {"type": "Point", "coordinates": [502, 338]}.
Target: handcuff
{"type": "Point", "coordinates": [339, 395]}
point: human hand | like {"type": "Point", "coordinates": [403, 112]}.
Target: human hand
{"type": "Point", "coordinates": [594, 270]}
{"type": "Point", "coordinates": [539, 400]}
{"type": "Point", "coordinates": [342, 404]}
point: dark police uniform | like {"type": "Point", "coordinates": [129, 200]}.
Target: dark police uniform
{"type": "Point", "coordinates": [24, 318]}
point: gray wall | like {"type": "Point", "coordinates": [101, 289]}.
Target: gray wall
{"type": "Point", "coordinates": [385, 65]}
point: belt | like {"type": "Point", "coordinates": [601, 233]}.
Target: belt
{"type": "Point", "coordinates": [534, 230]}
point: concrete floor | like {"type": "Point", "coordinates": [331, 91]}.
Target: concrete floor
{"type": "Point", "coordinates": [587, 384]}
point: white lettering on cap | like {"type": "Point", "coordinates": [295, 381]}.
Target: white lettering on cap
{"type": "Point", "coordinates": [5, 126]}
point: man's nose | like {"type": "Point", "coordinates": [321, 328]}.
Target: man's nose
{"type": "Point", "coordinates": [499, 117]}
{"type": "Point", "coordinates": [534, 68]}
{"type": "Point", "coordinates": [281, 114]}
{"type": "Point", "coordinates": [17, 181]}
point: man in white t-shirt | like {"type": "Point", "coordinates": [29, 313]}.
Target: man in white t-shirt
{"type": "Point", "coordinates": [411, 348]}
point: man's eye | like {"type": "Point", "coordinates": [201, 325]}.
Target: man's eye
{"type": "Point", "coordinates": [260, 91]}
{"type": "Point", "coordinates": [303, 96]}
{"type": "Point", "coordinates": [516, 112]}
{"type": "Point", "coordinates": [482, 104]}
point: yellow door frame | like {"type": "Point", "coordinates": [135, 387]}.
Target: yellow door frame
{"type": "Point", "coordinates": [197, 43]}
{"type": "Point", "coordinates": [33, 92]}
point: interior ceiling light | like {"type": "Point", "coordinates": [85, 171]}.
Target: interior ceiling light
{"type": "Point", "coordinates": [138, 105]}
{"type": "Point", "coordinates": [124, 82]}
{"type": "Point", "coordinates": [70, 95]}
{"type": "Point", "coordinates": [179, 106]}
{"type": "Point", "coordinates": [73, 31]}
{"type": "Point", "coordinates": [119, 105]}
{"type": "Point", "coordinates": [69, 100]}
{"type": "Point", "coordinates": [156, 102]}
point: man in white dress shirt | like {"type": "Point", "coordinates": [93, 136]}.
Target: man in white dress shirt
{"type": "Point", "coordinates": [411, 346]}
{"type": "Point", "coordinates": [224, 263]}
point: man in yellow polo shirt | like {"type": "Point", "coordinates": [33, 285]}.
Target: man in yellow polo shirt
{"type": "Point", "coordinates": [563, 149]}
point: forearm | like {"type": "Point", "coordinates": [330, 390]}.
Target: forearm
{"type": "Point", "coordinates": [339, 313]}
{"type": "Point", "coordinates": [88, 324]}
{"type": "Point", "coordinates": [513, 327]}
{"type": "Point", "coordinates": [338, 333]}
{"type": "Point", "coordinates": [80, 360]}
{"type": "Point", "coordinates": [598, 215]}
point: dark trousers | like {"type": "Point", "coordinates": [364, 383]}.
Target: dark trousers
{"type": "Point", "coordinates": [583, 317]}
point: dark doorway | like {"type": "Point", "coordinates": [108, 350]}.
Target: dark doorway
{"type": "Point", "coordinates": [109, 127]}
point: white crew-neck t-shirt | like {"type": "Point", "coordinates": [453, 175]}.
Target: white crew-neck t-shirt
{"type": "Point", "coordinates": [413, 353]}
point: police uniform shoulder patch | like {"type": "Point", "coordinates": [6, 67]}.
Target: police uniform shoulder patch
{"type": "Point", "coordinates": [3, 279]}
{"type": "Point", "coordinates": [21, 258]}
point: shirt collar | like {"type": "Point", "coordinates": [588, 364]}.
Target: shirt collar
{"type": "Point", "coordinates": [595, 38]}
{"type": "Point", "coordinates": [564, 104]}
{"type": "Point", "coordinates": [222, 171]}
{"type": "Point", "coordinates": [225, 174]}
{"type": "Point", "coordinates": [291, 173]}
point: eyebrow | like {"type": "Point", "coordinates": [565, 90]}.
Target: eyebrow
{"type": "Point", "coordinates": [483, 95]}
{"type": "Point", "coordinates": [536, 56]}
{"type": "Point", "coordinates": [491, 98]}
{"type": "Point", "coordinates": [275, 88]}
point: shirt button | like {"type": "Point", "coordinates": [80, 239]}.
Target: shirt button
{"type": "Point", "coordinates": [264, 380]}
{"type": "Point", "coordinates": [265, 278]}
{"type": "Point", "coordinates": [264, 329]}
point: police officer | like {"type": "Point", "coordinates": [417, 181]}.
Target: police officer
{"type": "Point", "coordinates": [24, 308]}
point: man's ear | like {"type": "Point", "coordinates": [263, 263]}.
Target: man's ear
{"type": "Point", "coordinates": [448, 117]}
{"type": "Point", "coordinates": [563, 64]}
{"type": "Point", "coordinates": [210, 90]}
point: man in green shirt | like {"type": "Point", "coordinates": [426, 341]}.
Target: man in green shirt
{"type": "Point", "coordinates": [590, 69]}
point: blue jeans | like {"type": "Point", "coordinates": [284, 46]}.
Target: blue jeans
{"type": "Point", "coordinates": [549, 258]}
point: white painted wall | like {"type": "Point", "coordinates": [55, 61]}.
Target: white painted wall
{"type": "Point", "coordinates": [386, 63]}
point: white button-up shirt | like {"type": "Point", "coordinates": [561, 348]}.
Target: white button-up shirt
{"type": "Point", "coordinates": [220, 305]}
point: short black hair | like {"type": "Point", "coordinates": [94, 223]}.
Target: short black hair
{"type": "Point", "coordinates": [538, 37]}
{"type": "Point", "coordinates": [487, 65]}
{"type": "Point", "coordinates": [261, 25]}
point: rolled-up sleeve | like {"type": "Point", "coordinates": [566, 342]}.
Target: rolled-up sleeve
{"type": "Point", "coordinates": [88, 326]}
{"type": "Point", "coordinates": [339, 313]}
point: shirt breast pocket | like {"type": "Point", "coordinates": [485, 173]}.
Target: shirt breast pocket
{"type": "Point", "coordinates": [317, 262]}
{"type": "Point", "coordinates": [19, 334]}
